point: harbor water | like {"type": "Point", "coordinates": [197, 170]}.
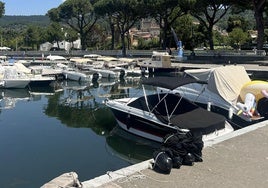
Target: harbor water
{"type": "Point", "coordinates": [45, 132]}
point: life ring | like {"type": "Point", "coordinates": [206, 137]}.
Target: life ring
{"type": "Point", "coordinates": [258, 88]}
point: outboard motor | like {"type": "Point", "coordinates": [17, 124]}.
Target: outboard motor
{"type": "Point", "coordinates": [95, 77]}
{"type": "Point", "coordinates": [122, 74]}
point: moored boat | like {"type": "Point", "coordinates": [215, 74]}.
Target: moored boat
{"type": "Point", "coordinates": [158, 63]}
{"type": "Point", "coordinates": [223, 90]}
{"type": "Point", "coordinates": [11, 78]}
{"type": "Point", "coordinates": [156, 115]}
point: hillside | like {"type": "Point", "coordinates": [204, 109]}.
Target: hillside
{"type": "Point", "coordinates": [15, 22]}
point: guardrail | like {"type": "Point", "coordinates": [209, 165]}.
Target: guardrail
{"type": "Point", "coordinates": [201, 55]}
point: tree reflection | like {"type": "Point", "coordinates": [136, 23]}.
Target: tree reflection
{"type": "Point", "coordinates": [81, 106]}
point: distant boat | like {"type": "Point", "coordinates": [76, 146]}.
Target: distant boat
{"type": "Point", "coordinates": [159, 62]}
{"type": "Point", "coordinates": [35, 75]}
{"type": "Point", "coordinates": [11, 78]}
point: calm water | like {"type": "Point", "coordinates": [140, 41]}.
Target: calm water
{"type": "Point", "coordinates": [48, 132]}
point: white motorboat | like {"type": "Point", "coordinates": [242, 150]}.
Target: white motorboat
{"type": "Point", "coordinates": [158, 63]}
{"type": "Point", "coordinates": [11, 78]}
{"type": "Point", "coordinates": [72, 74]}
{"type": "Point", "coordinates": [35, 75]}
{"type": "Point", "coordinates": [154, 116]}
{"type": "Point", "coordinates": [105, 73]}
{"type": "Point", "coordinates": [76, 75]}
{"type": "Point", "coordinates": [220, 89]}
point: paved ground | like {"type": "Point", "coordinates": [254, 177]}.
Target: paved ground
{"type": "Point", "coordinates": [237, 160]}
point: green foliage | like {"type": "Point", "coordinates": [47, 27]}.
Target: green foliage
{"type": "Point", "coordinates": [237, 37]}
{"type": "Point", "coordinates": [54, 33]}
{"type": "Point", "coordinates": [2, 9]}
{"type": "Point", "coordinates": [77, 14]}
{"type": "Point", "coordinates": [235, 21]}
{"type": "Point", "coordinates": [147, 44]}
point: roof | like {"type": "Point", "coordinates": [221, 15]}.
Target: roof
{"type": "Point", "coordinates": [169, 82]}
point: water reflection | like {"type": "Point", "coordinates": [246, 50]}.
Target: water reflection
{"type": "Point", "coordinates": [129, 147]}
{"type": "Point", "coordinates": [9, 97]}
{"type": "Point", "coordinates": [80, 105]}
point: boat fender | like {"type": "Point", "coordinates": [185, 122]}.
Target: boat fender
{"type": "Point", "coordinates": [162, 162]}
{"type": "Point", "coordinates": [249, 104]}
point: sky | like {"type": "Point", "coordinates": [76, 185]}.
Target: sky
{"type": "Point", "coordinates": [29, 7]}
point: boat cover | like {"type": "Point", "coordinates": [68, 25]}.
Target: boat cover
{"type": "Point", "coordinates": [225, 81]}
{"type": "Point", "coordinates": [169, 82]}
{"type": "Point", "coordinates": [186, 115]}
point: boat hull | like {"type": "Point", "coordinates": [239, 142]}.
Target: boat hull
{"type": "Point", "coordinates": [75, 76]}
{"type": "Point", "coordinates": [41, 81]}
{"type": "Point", "coordinates": [15, 83]}
{"type": "Point", "coordinates": [143, 127]}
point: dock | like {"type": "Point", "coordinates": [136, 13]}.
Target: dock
{"type": "Point", "coordinates": [239, 159]}
{"type": "Point", "coordinates": [256, 69]}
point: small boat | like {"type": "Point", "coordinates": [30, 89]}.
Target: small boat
{"type": "Point", "coordinates": [11, 78]}
{"type": "Point", "coordinates": [35, 75]}
{"type": "Point", "coordinates": [154, 116]}
{"type": "Point", "coordinates": [72, 74]}
{"type": "Point", "coordinates": [223, 90]}
{"type": "Point", "coordinates": [158, 63]}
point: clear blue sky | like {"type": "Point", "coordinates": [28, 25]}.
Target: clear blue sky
{"type": "Point", "coordinates": [29, 7]}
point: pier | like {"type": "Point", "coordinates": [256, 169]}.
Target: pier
{"type": "Point", "coordinates": [239, 159]}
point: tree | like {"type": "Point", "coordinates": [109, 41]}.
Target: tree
{"type": "Point", "coordinates": [32, 37]}
{"type": "Point", "coordinates": [235, 21]}
{"type": "Point", "coordinates": [209, 13]}
{"type": "Point", "coordinates": [2, 9]}
{"type": "Point", "coordinates": [124, 13]}
{"type": "Point", "coordinates": [166, 13]}
{"type": "Point", "coordinates": [238, 37]}
{"type": "Point", "coordinates": [258, 6]}
{"type": "Point", "coordinates": [104, 9]}
{"type": "Point", "coordinates": [77, 14]}
{"type": "Point", "coordinates": [55, 33]}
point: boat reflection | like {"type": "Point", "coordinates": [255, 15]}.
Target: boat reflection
{"type": "Point", "coordinates": [9, 97]}
{"type": "Point", "coordinates": [129, 147]}
{"type": "Point", "coordinates": [79, 105]}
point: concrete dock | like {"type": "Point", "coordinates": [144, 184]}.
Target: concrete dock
{"type": "Point", "coordinates": [239, 159]}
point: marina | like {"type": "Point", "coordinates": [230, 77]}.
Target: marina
{"type": "Point", "coordinates": [93, 95]}
{"type": "Point", "coordinates": [48, 131]}
{"type": "Point", "coordinates": [64, 130]}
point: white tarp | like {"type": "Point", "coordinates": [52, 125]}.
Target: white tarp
{"type": "Point", "coordinates": [225, 81]}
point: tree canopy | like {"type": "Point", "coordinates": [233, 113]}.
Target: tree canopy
{"type": "Point", "coordinates": [2, 9]}
{"type": "Point", "coordinates": [78, 14]}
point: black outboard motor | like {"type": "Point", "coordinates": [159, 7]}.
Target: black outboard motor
{"type": "Point", "coordinates": [162, 162]}
{"type": "Point", "coordinates": [95, 77]}
{"type": "Point", "coordinates": [122, 74]}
